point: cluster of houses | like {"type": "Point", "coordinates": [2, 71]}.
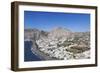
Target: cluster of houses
{"type": "Point", "coordinates": [51, 47]}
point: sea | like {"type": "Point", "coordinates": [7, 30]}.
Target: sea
{"type": "Point", "coordinates": [28, 55]}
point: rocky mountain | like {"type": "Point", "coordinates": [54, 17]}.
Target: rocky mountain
{"type": "Point", "coordinates": [60, 32]}
{"type": "Point", "coordinates": [60, 43]}
{"type": "Point", "coordinates": [34, 34]}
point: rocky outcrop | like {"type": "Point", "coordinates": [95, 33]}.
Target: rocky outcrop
{"type": "Point", "coordinates": [34, 34]}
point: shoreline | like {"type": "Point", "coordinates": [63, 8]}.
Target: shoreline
{"type": "Point", "coordinates": [41, 55]}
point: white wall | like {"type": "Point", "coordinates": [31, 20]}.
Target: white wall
{"type": "Point", "coordinates": [5, 40]}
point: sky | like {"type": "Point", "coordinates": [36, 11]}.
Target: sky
{"type": "Point", "coordinates": [77, 22]}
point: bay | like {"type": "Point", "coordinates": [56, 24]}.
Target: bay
{"type": "Point", "coordinates": [28, 55]}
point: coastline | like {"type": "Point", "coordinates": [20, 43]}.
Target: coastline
{"type": "Point", "coordinates": [41, 55]}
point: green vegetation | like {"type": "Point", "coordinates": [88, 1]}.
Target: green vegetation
{"type": "Point", "coordinates": [78, 49]}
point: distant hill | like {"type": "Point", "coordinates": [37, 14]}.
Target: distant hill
{"type": "Point", "coordinates": [59, 32]}
{"type": "Point", "coordinates": [55, 33]}
{"type": "Point", "coordinates": [34, 34]}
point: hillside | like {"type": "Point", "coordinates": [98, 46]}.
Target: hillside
{"type": "Point", "coordinates": [60, 43]}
